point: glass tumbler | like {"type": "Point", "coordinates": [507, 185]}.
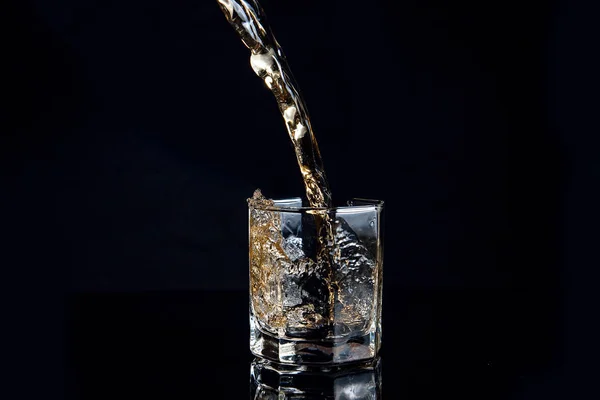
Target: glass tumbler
{"type": "Point", "coordinates": [315, 281]}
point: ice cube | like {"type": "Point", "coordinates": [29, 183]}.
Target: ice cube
{"type": "Point", "coordinates": [355, 274]}
{"type": "Point", "coordinates": [292, 245]}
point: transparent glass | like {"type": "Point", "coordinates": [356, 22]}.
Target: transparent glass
{"type": "Point", "coordinates": [315, 281]}
{"type": "Point", "coordinates": [270, 381]}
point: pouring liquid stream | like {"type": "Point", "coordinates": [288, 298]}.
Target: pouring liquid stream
{"type": "Point", "coordinates": [269, 63]}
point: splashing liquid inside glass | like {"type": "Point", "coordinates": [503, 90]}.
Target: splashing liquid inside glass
{"type": "Point", "coordinates": [269, 63]}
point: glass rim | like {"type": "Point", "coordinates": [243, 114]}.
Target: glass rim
{"type": "Point", "coordinates": [354, 205]}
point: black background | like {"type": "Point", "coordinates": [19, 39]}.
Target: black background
{"type": "Point", "coordinates": [133, 132]}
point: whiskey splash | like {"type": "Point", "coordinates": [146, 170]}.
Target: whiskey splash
{"type": "Point", "coordinates": [269, 63]}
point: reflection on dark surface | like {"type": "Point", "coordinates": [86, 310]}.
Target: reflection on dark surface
{"type": "Point", "coordinates": [270, 381]}
{"type": "Point", "coordinates": [491, 344]}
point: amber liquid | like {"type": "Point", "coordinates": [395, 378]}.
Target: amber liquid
{"type": "Point", "coordinates": [269, 63]}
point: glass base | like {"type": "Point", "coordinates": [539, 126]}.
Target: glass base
{"type": "Point", "coordinates": [350, 349]}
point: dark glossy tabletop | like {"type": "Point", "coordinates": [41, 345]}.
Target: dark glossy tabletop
{"type": "Point", "coordinates": [194, 345]}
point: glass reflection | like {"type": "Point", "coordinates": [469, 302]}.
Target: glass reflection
{"type": "Point", "coordinates": [270, 381]}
